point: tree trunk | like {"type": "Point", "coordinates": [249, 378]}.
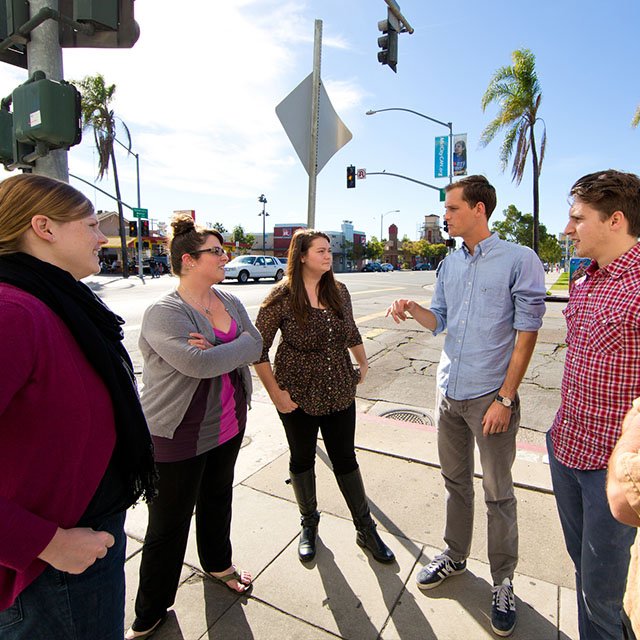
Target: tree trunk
{"type": "Point", "coordinates": [123, 240]}
{"type": "Point", "coordinates": [536, 195]}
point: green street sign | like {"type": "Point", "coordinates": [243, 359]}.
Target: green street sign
{"type": "Point", "coordinates": [140, 213]}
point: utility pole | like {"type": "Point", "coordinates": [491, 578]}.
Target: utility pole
{"type": "Point", "coordinates": [315, 122]}
{"type": "Point", "coordinates": [45, 54]}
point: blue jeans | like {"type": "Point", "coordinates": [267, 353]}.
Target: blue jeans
{"type": "Point", "coordinates": [61, 606]}
{"type": "Point", "coordinates": [598, 545]}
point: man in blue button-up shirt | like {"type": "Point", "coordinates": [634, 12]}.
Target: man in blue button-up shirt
{"type": "Point", "coordinates": [489, 296]}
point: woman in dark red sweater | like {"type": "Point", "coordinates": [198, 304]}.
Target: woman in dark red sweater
{"type": "Point", "coordinates": [75, 451]}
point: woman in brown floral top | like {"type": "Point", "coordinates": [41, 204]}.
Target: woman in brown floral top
{"type": "Point", "coordinates": [313, 383]}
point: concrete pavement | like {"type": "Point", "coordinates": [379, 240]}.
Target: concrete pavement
{"type": "Point", "coordinates": [344, 593]}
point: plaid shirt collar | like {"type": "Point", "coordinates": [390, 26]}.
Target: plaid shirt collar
{"type": "Point", "coordinates": [619, 266]}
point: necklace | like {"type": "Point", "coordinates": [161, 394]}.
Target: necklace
{"type": "Point", "coordinates": [207, 310]}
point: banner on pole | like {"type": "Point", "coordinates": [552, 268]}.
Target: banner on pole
{"type": "Point", "coordinates": [460, 154]}
{"type": "Point", "coordinates": [441, 169]}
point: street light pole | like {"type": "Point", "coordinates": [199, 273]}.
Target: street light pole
{"type": "Point", "coordinates": [382, 215]}
{"type": "Point", "coordinates": [449, 126]}
{"type": "Point", "coordinates": [264, 215]}
{"type": "Point", "coordinates": [139, 220]}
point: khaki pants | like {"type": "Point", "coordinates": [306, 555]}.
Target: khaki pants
{"type": "Point", "coordinates": [459, 424]}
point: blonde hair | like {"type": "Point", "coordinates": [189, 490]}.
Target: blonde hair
{"type": "Point", "coordinates": [27, 195]}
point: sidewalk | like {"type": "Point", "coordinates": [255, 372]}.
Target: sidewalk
{"type": "Point", "coordinates": [343, 593]}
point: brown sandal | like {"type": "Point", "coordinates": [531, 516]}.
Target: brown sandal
{"type": "Point", "coordinates": [234, 575]}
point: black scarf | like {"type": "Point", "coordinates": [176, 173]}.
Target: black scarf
{"type": "Point", "coordinates": [98, 332]}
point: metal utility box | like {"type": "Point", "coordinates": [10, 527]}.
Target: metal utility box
{"type": "Point", "coordinates": [101, 13]}
{"type": "Point", "coordinates": [13, 14]}
{"type": "Point", "coordinates": [6, 136]}
{"type": "Point", "coordinates": [47, 111]}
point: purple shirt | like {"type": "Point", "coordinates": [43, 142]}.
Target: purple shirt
{"type": "Point", "coordinates": [217, 412]}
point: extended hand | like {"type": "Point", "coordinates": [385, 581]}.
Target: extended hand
{"type": "Point", "coordinates": [398, 310]}
{"type": "Point", "coordinates": [74, 550]}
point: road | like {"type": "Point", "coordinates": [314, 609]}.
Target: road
{"type": "Point", "coordinates": [371, 294]}
{"type": "Point", "coordinates": [403, 358]}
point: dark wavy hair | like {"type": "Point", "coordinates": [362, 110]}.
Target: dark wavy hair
{"type": "Point", "coordinates": [609, 191]}
{"type": "Point", "coordinates": [328, 292]}
{"type": "Point", "coordinates": [187, 238]}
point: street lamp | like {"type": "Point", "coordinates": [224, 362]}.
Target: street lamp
{"type": "Point", "coordinates": [264, 215]}
{"type": "Point", "coordinates": [139, 220]}
{"type": "Point", "coordinates": [382, 215]}
{"type": "Point", "coordinates": [449, 126]}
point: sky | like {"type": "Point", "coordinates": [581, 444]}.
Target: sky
{"type": "Point", "coordinates": [199, 89]}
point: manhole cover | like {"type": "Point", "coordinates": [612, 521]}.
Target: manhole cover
{"type": "Point", "coordinates": [409, 415]}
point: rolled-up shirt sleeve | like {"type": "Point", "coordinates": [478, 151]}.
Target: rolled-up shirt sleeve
{"type": "Point", "coordinates": [528, 292]}
{"type": "Point", "coordinates": [438, 301]}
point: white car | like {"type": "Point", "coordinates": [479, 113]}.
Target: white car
{"type": "Point", "coordinates": [244, 267]}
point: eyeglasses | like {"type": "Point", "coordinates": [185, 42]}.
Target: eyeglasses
{"type": "Point", "coordinates": [217, 251]}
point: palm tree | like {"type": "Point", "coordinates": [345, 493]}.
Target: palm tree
{"type": "Point", "coordinates": [516, 90]}
{"type": "Point", "coordinates": [636, 118]}
{"type": "Point", "coordinates": [97, 114]}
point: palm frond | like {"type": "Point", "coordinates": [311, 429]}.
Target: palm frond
{"type": "Point", "coordinates": [507, 146]}
{"type": "Point", "coordinates": [543, 145]}
{"type": "Point", "coordinates": [128, 134]}
{"type": "Point", "coordinates": [490, 132]}
{"type": "Point", "coordinates": [522, 151]}
{"type": "Point", "coordinates": [636, 118]}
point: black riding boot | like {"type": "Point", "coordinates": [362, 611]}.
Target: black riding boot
{"type": "Point", "coordinates": [304, 487]}
{"type": "Point", "coordinates": [353, 491]}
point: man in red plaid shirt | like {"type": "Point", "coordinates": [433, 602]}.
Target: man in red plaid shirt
{"type": "Point", "coordinates": [601, 379]}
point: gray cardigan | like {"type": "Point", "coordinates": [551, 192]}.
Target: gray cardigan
{"type": "Point", "coordinates": [173, 368]}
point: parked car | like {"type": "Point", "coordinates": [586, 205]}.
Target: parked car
{"type": "Point", "coordinates": [424, 266]}
{"type": "Point", "coordinates": [387, 266]}
{"type": "Point", "coordinates": [244, 267]}
{"type": "Point", "coordinates": [372, 266]}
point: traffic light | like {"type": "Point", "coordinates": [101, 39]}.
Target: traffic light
{"type": "Point", "coordinates": [144, 228]}
{"type": "Point", "coordinates": [115, 26]}
{"type": "Point", "coordinates": [445, 226]}
{"type": "Point", "coordinates": [47, 112]}
{"type": "Point", "coordinates": [388, 42]}
{"type": "Point", "coordinates": [13, 14]}
{"type": "Point", "coordinates": [133, 228]}
{"type": "Point", "coordinates": [351, 177]}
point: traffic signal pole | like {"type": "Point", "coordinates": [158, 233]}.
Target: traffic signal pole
{"type": "Point", "coordinates": [45, 54]}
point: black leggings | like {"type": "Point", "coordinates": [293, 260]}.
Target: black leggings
{"type": "Point", "coordinates": [338, 432]}
{"type": "Point", "coordinates": [206, 483]}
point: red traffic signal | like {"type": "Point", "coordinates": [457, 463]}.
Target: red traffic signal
{"type": "Point", "coordinates": [351, 177]}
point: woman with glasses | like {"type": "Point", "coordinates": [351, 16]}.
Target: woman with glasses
{"type": "Point", "coordinates": [196, 343]}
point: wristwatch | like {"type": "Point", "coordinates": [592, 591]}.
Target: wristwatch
{"type": "Point", "coordinates": [507, 402]}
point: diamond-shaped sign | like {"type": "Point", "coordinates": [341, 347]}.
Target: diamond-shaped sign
{"type": "Point", "coordinates": [294, 113]}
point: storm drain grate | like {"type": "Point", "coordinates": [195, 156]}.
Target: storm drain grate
{"type": "Point", "coordinates": [409, 415]}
